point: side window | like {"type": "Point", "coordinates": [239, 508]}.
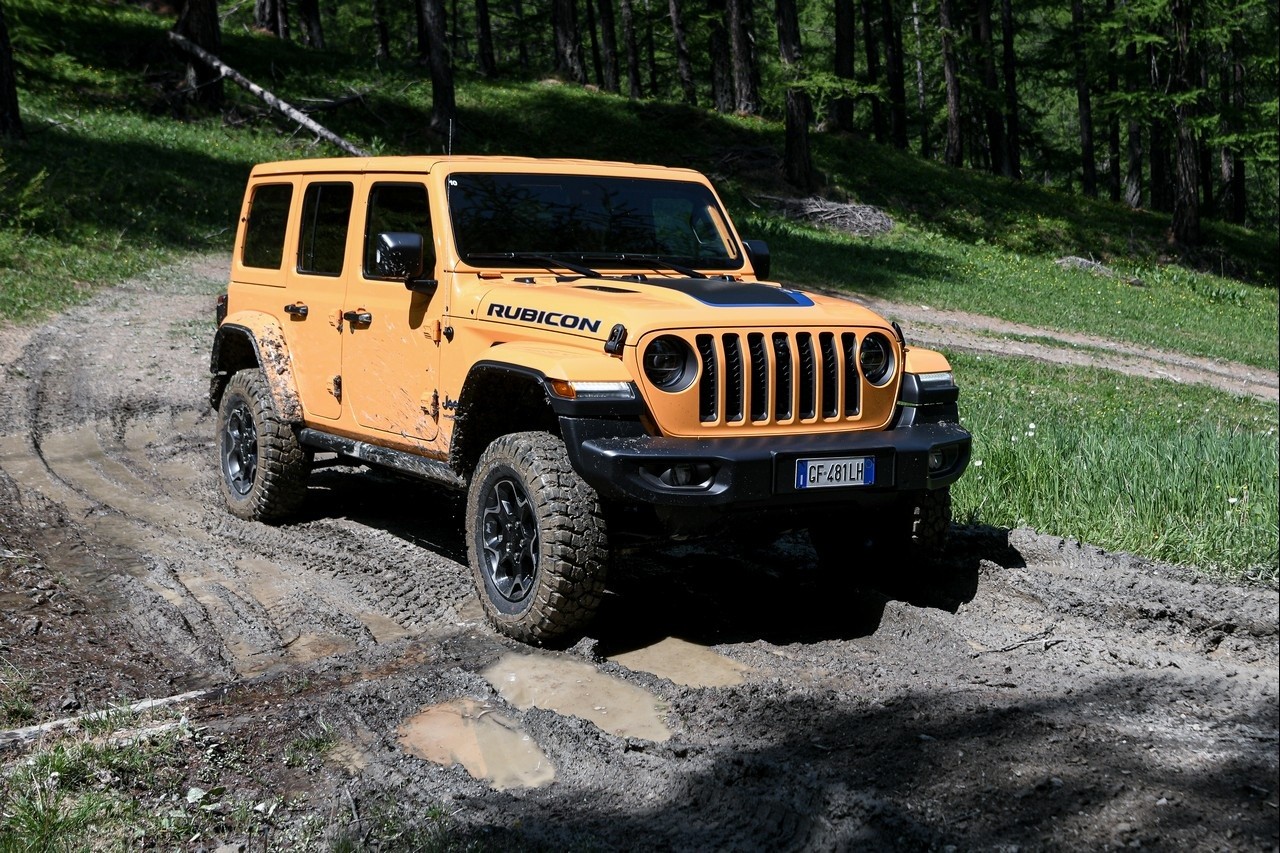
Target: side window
{"type": "Point", "coordinates": [326, 214]}
{"type": "Point", "coordinates": [264, 232]}
{"type": "Point", "coordinates": [397, 207]}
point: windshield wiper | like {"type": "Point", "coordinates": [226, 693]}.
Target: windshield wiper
{"type": "Point", "coordinates": [647, 260]}
{"type": "Point", "coordinates": [550, 262]}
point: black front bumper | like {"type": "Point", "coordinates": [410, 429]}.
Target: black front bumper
{"type": "Point", "coordinates": [620, 462]}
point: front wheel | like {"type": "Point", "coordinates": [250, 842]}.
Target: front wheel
{"type": "Point", "coordinates": [536, 539]}
{"type": "Point", "coordinates": [264, 468]}
{"type": "Point", "coordinates": [915, 527]}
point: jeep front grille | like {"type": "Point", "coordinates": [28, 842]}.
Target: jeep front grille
{"type": "Point", "coordinates": [766, 378]}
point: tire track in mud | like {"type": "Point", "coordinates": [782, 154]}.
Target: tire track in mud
{"type": "Point", "coordinates": [111, 427]}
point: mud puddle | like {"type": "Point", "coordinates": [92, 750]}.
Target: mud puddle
{"type": "Point", "coordinates": [489, 745]}
{"type": "Point", "coordinates": [578, 689]}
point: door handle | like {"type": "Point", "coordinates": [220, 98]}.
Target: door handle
{"type": "Point", "coordinates": [360, 318]}
{"type": "Point", "coordinates": [297, 310]}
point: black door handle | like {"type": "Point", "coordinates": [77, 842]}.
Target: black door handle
{"type": "Point", "coordinates": [362, 318]}
{"type": "Point", "coordinates": [298, 310]}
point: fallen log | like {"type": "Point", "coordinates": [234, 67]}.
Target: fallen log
{"type": "Point", "coordinates": [17, 737]}
{"type": "Point", "coordinates": [266, 97]}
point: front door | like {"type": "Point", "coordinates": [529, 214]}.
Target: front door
{"type": "Point", "coordinates": [391, 344]}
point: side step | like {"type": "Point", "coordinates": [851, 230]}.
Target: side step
{"type": "Point", "coordinates": [406, 463]}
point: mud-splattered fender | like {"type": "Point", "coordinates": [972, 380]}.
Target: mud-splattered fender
{"type": "Point", "coordinates": [254, 339]}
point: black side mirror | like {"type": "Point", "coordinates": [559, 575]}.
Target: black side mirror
{"type": "Point", "coordinates": [758, 254]}
{"type": "Point", "coordinates": [400, 254]}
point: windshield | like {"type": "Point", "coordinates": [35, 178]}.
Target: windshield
{"type": "Point", "coordinates": [609, 223]}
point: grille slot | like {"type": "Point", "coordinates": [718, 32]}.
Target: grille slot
{"type": "Point", "coordinates": [733, 379]}
{"type": "Point", "coordinates": [708, 396]}
{"type": "Point", "coordinates": [782, 376]}
{"type": "Point", "coordinates": [778, 377]}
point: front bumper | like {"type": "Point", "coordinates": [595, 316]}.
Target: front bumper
{"type": "Point", "coordinates": [751, 473]}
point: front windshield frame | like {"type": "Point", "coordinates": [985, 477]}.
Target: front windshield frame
{"type": "Point", "coordinates": [608, 222]}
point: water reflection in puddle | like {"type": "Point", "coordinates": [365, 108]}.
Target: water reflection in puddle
{"type": "Point", "coordinates": [684, 663]}
{"type": "Point", "coordinates": [578, 689]}
{"type": "Point", "coordinates": [489, 745]}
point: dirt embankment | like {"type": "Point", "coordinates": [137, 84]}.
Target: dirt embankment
{"type": "Point", "coordinates": [1029, 692]}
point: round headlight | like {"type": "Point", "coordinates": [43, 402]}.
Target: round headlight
{"type": "Point", "coordinates": [875, 357]}
{"type": "Point", "coordinates": [669, 363]}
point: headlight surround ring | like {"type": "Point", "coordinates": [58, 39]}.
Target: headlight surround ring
{"type": "Point", "coordinates": [669, 363]}
{"type": "Point", "coordinates": [876, 359]}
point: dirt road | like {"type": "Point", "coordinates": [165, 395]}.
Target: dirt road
{"type": "Point", "coordinates": [1030, 693]}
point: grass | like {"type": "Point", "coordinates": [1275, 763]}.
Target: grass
{"type": "Point", "coordinates": [1179, 473]}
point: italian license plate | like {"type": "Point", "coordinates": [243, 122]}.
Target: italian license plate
{"type": "Point", "coordinates": [826, 473]}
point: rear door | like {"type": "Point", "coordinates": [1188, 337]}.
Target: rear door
{"type": "Point", "coordinates": [391, 353]}
{"type": "Point", "coordinates": [316, 281]}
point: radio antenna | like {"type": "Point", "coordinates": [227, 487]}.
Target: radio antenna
{"type": "Point", "coordinates": [449, 149]}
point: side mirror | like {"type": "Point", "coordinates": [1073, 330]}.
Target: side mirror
{"type": "Point", "coordinates": [400, 254]}
{"type": "Point", "coordinates": [758, 254]}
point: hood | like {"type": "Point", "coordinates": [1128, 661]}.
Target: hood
{"type": "Point", "coordinates": [594, 306]}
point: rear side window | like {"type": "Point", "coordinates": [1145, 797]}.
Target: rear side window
{"type": "Point", "coordinates": [397, 207]}
{"type": "Point", "coordinates": [326, 214]}
{"type": "Point", "coordinates": [264, 232]}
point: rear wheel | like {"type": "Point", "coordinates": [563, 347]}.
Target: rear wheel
{"type": "Point", "coordinates": [536, 539]}
{"type": "Point", "coordinates": [264, 468]}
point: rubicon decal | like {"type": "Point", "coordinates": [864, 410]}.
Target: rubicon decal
{"type": "Point", "coordinates": [544, 318]}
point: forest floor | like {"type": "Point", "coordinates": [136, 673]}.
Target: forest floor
{"type": "Point", "coordinates": [1031, 692]}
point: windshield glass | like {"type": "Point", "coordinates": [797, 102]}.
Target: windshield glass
{"type": "Point", "coordinates": [609, 223]}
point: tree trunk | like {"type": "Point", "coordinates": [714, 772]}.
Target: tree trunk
{"type": "Point", "coordinates": [486, 62]}
{"type": "Point", "coordinates": [597, 63]}
{"type": "Point", "coordinates": [1011, 162]}
{"type": "Point", "coordinates": [846, 37]}
{"type": "Point", "coordinates": [955, 150]}
{"type": "Point", "coordinates": [922, 104]}
{"type": "Point", "coordinates": [721, 68]}
{"type": "Point", "coordinates": [1233, 186]}
{"type": "Point", "coordinates": [608, 46]}
{"type": "Point", "coordinates": [1186, 201]}
{"type": "Point", "coordinates": [1087, 159]}
{"type": "Point", "coordinates": [894, 69]}
{"type": "Point", "coordinates": [1133, 174]}
{"type": "Point", "coordinates": [198, 22]}
{"type": "Point", "coordinates": [381, 35]}
{"type": "Point", "coordinates": [684, 66]}
{"type": "Point", "coordinates": [272, 16]}
{"type": "Point", "coordinates": [309, 20]}
{"type": "Point", "coordinates": [633, 51]}
{"type": "Point", "coordinates": [564, 22]}
{"type": "Point", "coordinates": [871, 45]}
{"type": "Point", "coordinates": [797, 159]}
{"type": "Point", "coordinates": [10, 119]}
{"type": "Point", "coordinates": [991, 84]}
{"type": "Point", "coordinates": [435, 33]}
{"type": "Point", "coordinates": [651, 48]}
{"type": "Point", "coordinates": [742, 55]}
{"type": "Point", "coordinates": [1114, 178]}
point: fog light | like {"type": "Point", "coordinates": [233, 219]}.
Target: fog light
{"type": "Point", "coordinates": [937, 459]}
{"type": "Point", "coordinates": [684, 475]}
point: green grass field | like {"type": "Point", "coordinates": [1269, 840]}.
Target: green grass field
{"type": "Point", "coordinates": [117, 177]}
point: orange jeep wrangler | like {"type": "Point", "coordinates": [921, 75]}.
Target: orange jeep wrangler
{"type": "Point", "coordinates": [588, 349]}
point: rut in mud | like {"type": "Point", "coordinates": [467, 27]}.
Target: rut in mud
{"type": "Point", "coordinates": [1029, 691]}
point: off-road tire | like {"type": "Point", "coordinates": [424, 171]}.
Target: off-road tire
{"type": "Point", "coordinates": [916, 528]}
{"type": "Point", "coordinates": [264, 469]}
{"type": "Point", "coordinates": [536, 539]}
{"type": "Point", "coordinates": [930, 515]}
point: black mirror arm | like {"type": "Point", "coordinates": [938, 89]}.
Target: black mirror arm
{"type": "Point", "coordinates": [421, 285]}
